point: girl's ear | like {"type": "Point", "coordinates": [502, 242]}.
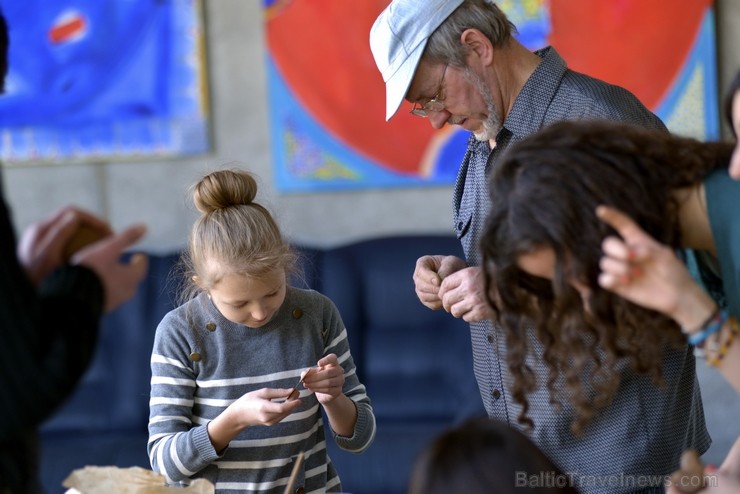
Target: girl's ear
{"type": "Point", "coordinates": [197, 281]}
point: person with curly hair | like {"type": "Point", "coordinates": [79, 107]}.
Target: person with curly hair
{"type": "Point", "coordinates": [542, 259]}
{"type": "Point", "coordinates": [582, 269]}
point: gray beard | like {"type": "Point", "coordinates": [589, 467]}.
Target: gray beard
{"type": "Point", "coordinates": [491, 125]}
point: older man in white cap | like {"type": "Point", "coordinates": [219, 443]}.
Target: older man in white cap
{"type": "Point", "coordinates": [457, 62]}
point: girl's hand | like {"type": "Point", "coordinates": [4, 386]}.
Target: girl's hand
{"type": "Point", "coordinates": [326, 380]}
{"type": "Point", "coordinates": [257, 407]}
{"type": "Point", "coordinates": [253, 408]}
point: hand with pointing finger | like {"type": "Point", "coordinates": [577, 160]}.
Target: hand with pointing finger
{"type": "Point", "coordinates": [648, 273]}
{"type": "Point", "coordinates": [45, 246]}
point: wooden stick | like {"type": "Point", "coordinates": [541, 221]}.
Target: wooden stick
{"type": "Point", "coordinates": [294, 473]}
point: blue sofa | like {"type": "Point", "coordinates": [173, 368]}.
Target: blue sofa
{"type": "Point", "coordinates": [416, 364]}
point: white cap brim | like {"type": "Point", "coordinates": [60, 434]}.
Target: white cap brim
{"type": "Point", "coordinates": [397, 85]}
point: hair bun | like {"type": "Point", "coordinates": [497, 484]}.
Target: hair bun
{"type": "Point", "coordinates": [224, 188]}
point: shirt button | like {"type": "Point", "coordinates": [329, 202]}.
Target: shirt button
{"type": "Point", "coordinates": [496, 394]}
{"type": "Point", "coordinates": [459, 226]}
{"type": "Point", "coordinates": [490, 338]}
{"type": "Point", "coordinates": [297, 313]}
{"type": "Point", "coordinates": [195, 357]}
{"type": "Point", "coordinates": [300, 490]}
{"type": "Point", "coordinates": [211, 326]}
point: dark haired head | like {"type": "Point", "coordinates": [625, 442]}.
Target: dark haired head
{"type": "Point", "coordinates": [729, 98]}
{"type": "Point", "coordinates": [482, 456]}
{"type": "Point", "coordinates": [544, 194]}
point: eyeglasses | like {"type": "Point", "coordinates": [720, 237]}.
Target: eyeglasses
{"type": "Point", "coordinates": [434, 104]}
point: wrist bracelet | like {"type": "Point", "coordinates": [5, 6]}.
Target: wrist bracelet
{"type": "Point", "coordinates": [710, 327]}
{"type": "Point", "coordinates": [715, 359]}
{"type": "Point", "coordinates": [703, 325]}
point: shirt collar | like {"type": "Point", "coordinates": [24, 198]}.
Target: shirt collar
{"type": "Point", "coordinates": [530, 106]}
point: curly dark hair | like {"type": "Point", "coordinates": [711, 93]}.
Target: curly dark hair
{"type": "Point", "coordinates": [544, 194]}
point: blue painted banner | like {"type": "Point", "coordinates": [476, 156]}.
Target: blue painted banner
{"type": "Point", "coordinates": [101, 80]}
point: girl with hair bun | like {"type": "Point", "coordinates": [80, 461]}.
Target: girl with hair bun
{"type": "Point", "coordinates": [224, 401]}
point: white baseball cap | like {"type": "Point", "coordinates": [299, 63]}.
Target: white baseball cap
{"type": "Point", "coordinates": [398, 38]}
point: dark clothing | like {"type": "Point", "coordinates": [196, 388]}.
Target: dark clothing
{"type": "Point", "coordinates": [48, 338]}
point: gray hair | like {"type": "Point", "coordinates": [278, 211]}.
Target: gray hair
{"type": "Point", "coordinates": [444, 44]}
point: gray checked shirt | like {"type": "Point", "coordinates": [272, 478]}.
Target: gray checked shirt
{"type": "Point", "coordinates": [638, 439]}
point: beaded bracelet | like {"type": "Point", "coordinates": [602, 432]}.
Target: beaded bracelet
{"type": "Point", "coordinates": [715, 359]}
{"type": "Point", "coordinates": [711, 326]}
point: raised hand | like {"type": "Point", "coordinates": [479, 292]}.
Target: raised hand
{"type": "Point", "coordinates": [120, 278]}
{"type": "Point", "coordinates": [48, 244]}
{"type": "Point", "coordinates": [648, 273]}
{"type": "Point", "coordinates": [43, 245]}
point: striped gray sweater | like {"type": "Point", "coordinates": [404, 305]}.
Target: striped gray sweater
{"type": "Point", "coordinates": [231, 360]}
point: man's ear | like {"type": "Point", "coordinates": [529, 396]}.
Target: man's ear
{"type": "Point", "coordinates": [477, 42]}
